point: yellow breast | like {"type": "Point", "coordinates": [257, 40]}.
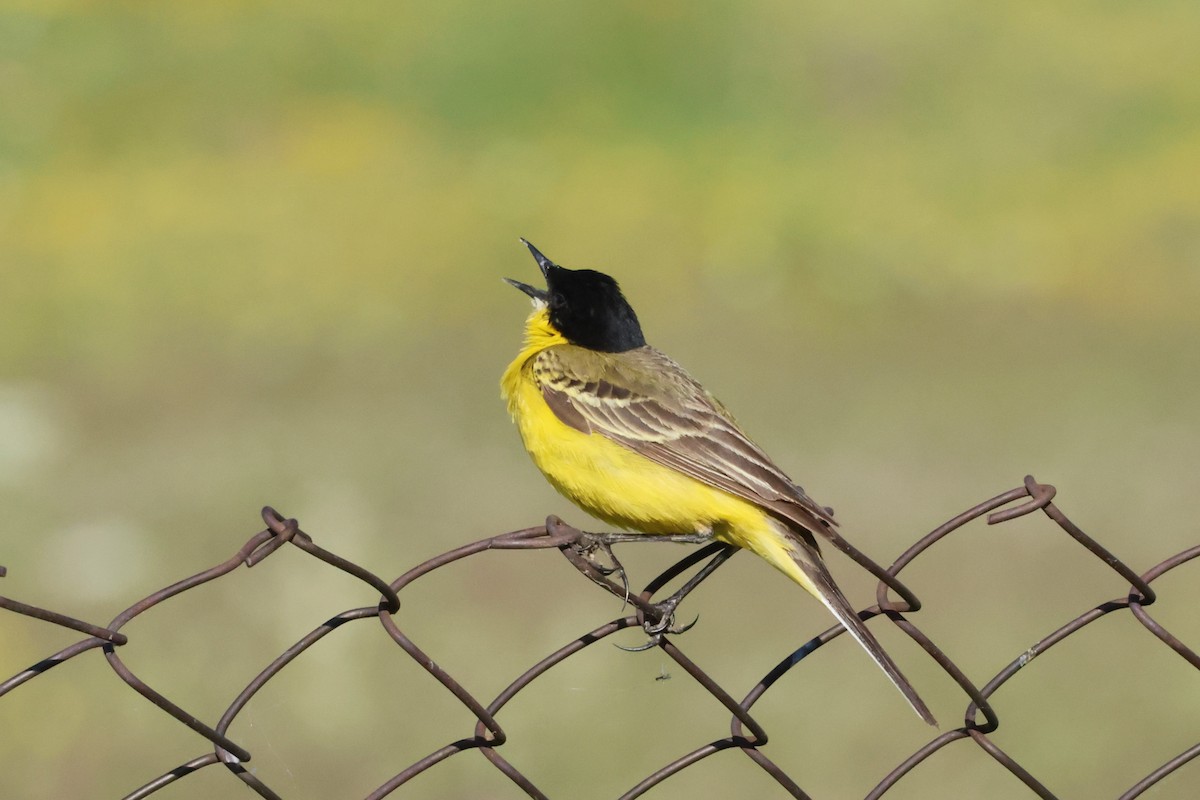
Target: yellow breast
{"type": "Point", "coordinates": [606, 479]}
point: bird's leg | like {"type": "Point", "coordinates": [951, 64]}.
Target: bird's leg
{"type": "Point", "coordinates": [659, 619]}
{"type": "Point", "coordinates": [677, 538]}
{"type": "Point", "coordinates": [666, 608]}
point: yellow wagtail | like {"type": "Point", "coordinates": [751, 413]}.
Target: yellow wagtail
{"type": "Point", "coordinates": [625, 433]}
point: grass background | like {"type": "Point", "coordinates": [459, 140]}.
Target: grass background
{"type": "Point", "coordinates": [251, 254]}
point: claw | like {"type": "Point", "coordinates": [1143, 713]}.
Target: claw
{"type": "Point", "coordinates": [652, 643]}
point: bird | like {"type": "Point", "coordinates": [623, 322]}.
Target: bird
{"type": "Point", "coordinates": [625, 433]}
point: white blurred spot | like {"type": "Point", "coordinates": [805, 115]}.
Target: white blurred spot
{"type": "Point", "coordinates": [30, 431]}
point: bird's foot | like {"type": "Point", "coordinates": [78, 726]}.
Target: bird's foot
{"type": "Point", "coordinates": [659, 620]}
{"type": "Point", "coordinates": [665, 611]}
{"type": "Point", "coordinates": [596, 552]}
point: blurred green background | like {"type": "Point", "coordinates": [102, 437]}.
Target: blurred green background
{"type": "Point", "coordinates": [252, 254]}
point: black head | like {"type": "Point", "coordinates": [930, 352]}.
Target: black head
{"type": "Point", "coordinates": [585, 306]}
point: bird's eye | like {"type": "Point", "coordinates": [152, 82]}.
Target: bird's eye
{"type": "Point", "coordinates": [557, 300]}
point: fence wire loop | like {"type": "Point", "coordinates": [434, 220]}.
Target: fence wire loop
{"type": "Point", "coordinates": [593, 557]}
{"type": "Point", "coordinates": [1040, 495]}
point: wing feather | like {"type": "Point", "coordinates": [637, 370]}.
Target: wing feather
{"type": "Point", "coordinates": [645, 401]}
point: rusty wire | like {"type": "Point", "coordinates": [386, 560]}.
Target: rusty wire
{"type": "Point", "coordinates": [746, 734]}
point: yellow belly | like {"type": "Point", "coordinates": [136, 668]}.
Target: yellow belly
{"type": "Point", "coordinates": [615, 484]}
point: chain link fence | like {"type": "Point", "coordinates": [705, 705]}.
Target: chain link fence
{"type": "Point", "coordinates": [594, 559]}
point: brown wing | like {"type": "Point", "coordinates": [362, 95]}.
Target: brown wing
{"type": "Point", "coordinates": [648, 403]}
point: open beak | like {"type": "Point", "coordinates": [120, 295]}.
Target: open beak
{"type": "Point", "coordinates": [534, 292]}
{"type": "Point", "coordinates": [544, 264]}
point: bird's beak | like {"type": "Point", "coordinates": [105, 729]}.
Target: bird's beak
{"type": "Point", "coordinates": [544, 264]}
{"type": "Point", "coordinates": [534, 292]}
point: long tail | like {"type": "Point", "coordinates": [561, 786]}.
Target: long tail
{"type": "Point", "coordinates": [800, 561]}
